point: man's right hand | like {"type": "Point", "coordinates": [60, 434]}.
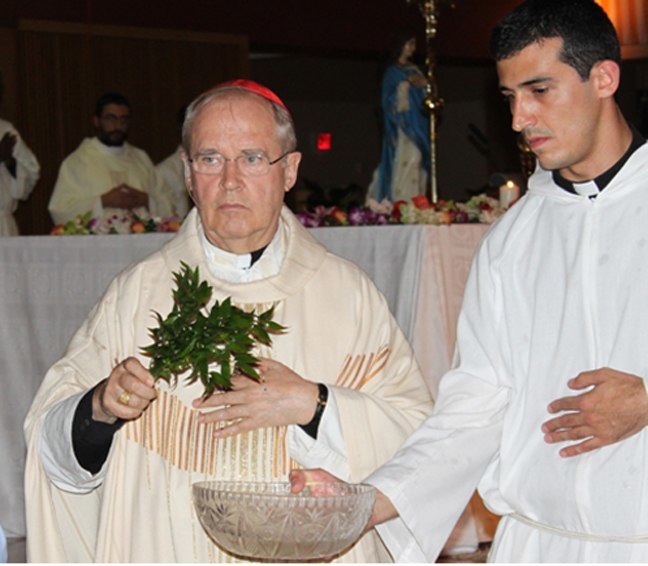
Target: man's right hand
{"type": "Point", "coordinates": [7, 144]}
{"type": "Point", "coordinates": [124, 196]}
{"type": "Point", "coordinates": [319, 481]}
{"type": "Point", "coordinates": [126, 393]}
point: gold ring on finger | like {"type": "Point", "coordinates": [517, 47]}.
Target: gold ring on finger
{"type": "Point", "coordinates": [124, 398]}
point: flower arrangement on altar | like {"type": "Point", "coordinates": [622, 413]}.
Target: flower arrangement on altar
{"type": "Point", "coordinates": [126, 222]}
{"type": "Point", "coordinates": [419, 210]}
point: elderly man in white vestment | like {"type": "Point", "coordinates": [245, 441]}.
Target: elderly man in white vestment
{"type": "Point", "coordinates": [106, 175]}
{"type": "Point", "coordinates": [546, 407]}
{"type": "Point", "coordinates": [112, 455]}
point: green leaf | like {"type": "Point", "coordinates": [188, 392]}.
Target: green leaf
{"type": "Point", "coordinates": [250, 371]}
{"type": "Point", "coordinates": [275, 328]}
{"type": "Point", "coordinates": [261, 335]}
{"type": "Point", "coordinates": [193, 338]}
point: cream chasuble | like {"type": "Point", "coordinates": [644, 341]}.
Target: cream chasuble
{"type": "Point", "coordinates": [94, 169]}
{"type": "Point", "coordinates": [340, 332]}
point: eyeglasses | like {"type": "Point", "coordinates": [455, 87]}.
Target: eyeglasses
{"type": "Point", "coordinates": [254, 164]}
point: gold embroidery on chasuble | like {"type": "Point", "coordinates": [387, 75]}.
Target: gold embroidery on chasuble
{"type": "Point", "coordinates": [171, 430]}
{"type": "Point", "coordinates": [360, 369]}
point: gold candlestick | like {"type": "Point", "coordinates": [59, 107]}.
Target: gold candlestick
{"type": "Point", "coordinates": [433, 103]}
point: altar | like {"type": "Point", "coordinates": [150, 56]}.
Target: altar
{"type": "Point", "coordinates": [49, 284]}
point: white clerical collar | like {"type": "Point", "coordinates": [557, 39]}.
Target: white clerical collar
{"type": "Point", "coordinates": [593, 187]}
{"type": "Point", "coordinates": [586, 189]}
{"type": "Point", "coordinates": [240, 268]}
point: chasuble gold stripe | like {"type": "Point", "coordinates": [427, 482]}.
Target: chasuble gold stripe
{"type": "Point", "coordinates": [171, 430]}
{"type": "Point", "coordinates": [360, 369]}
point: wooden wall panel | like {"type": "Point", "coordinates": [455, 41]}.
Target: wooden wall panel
{"type": "Point", "coordinates": [63, 68]}
{"type": "Point", "coordinates": [630, 18]}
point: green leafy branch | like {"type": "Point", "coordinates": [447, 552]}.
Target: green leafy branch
{"type": "Point", "coordinates": [194, 338]}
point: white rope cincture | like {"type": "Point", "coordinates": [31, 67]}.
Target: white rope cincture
{"type": "Point", "coordinates": [576, 535]}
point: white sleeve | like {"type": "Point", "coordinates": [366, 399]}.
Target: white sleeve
{"type": "Point", "coordinates": [327, 450]}
{"type": "Point", "coordinates": [401, 542]}
{"type": "Point", "coordinates": [57, 453]}
{"type": "Point", "coordinates": [432, 476]}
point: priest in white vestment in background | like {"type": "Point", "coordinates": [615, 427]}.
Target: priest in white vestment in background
{"type": "Point", "coordinates": [112, 456]}
{"type": "Point", "coordinates": [106, 175]}
{"type": "Point", "coordinates": [171, 171]}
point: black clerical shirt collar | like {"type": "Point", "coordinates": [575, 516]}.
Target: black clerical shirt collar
{"type": "Point", "coordinates": [246, 261]}
{"type": "Point", "coordinates": [256, 255]}
{"type": "Point", "coordinates": [595, 186]}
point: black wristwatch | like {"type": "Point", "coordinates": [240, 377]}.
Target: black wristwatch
{"type": "Point", "coordinates": [311, 427]}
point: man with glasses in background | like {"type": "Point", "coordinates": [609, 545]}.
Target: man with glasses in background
{"type": "Point", "coordinates": [112, 455]}
{"type": "Point", "coordinates": [106, 175]}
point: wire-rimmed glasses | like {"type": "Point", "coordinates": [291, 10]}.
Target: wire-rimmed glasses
{"type": "Point", "coordinates": [253, 164]}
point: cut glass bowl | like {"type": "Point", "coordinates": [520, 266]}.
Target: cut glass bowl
{"type": "Point", "coordinates": [265, 521]}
